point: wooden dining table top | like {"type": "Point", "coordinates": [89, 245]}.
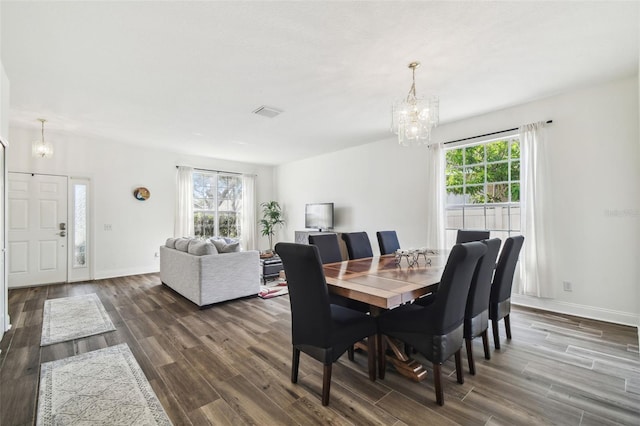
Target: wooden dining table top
{"type": "Point", "coordinates": [382, 282]}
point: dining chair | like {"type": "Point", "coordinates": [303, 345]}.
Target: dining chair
{"type": "Point", "coordinates": [468, 235]}
{"type": "Point", "coordinates": [500, 298]}
{"type": "Point", "coordinates": [476, 315]}
{"type": "Point", "coordinates": [358, 245]}
{"type": "Point", "coordinates": [322, 330]}
{"type": "Point", "coordinates": [388, 242]}
{"type": "Point", "coordinates": [328, 247]}
{"type": "Point", "coordinates": [437, 330]}
{"type": "Point", "coordinates": [329, 250]}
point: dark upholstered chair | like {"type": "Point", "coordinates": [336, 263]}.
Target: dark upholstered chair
{"type": "Point", "coordinates": [436, 330]}
{"type": "Point", "coordinates": [476, 316]}
{"type": "Point", "coordinates": [321, 330]}
{"type": "Point", "coordinates": [500, 299]}
{"type": "Point", "coordinates": [329, 250]}
{"type": "Point", "coordinates": [468, 235]}
{"type": "Point", "coordinates": [388, 242]}
{"type": "Point", "coordinates": [328, 247]}
{"type": "Point", "coordinates": [358, 245]}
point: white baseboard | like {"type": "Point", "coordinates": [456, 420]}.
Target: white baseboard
{"type": "Point", "coordinates": [592, 312]}
{"type": "Point", "coordinates": [114, 273]}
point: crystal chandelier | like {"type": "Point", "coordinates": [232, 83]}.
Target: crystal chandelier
{"type": "Point", "coordinates": [413, 118]}
{"type": "Point", "coordinates": [40, 148]}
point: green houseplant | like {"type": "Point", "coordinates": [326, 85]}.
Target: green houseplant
{"type": "Point", "coordinates": [271, 219]}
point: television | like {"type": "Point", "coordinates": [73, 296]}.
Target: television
{"type": "Point", "coordinates": [318, 216]}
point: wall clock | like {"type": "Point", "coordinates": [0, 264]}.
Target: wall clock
{"type": "Point", "coordinates": [141, 193]}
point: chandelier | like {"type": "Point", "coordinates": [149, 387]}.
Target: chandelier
{"type": "Point", "coordinates": [413, 118]}
{"type": "Point", "coordinates": [40, 148]}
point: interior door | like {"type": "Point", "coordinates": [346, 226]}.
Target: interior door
{"type": "Point", "coordinates": [37, 229]}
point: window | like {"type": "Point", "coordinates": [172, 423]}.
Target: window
{"type": "Point", "coordinates": [217, 203]}
{"type": "Point", "coordinates": [483, 187]}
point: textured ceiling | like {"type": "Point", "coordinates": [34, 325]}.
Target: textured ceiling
{"type": "Point", "coordinates": [186, 76]}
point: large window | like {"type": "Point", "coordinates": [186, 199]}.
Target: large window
{"type": "Point", "coordinates": [217, 203]}
{"type": "Point", "coordinates": [483, 188]}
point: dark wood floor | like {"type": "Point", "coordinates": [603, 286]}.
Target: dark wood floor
{"type": "Point", "coordinates": [230, 364]}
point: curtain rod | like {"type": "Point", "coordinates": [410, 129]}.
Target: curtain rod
{"type": "Point", "coordinates": [488, 134]}
{"type": "Point", "coordinates": [220, 171]}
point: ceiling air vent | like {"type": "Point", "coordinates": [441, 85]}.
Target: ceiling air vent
{"type": "Point", "coordinates": [266, 111]}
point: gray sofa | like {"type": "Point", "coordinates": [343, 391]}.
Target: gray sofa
{"type": "Point", "coordinates": [205, 279]}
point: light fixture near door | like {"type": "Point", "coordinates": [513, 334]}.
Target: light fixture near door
{"type": "Point", "coordinates": [413, 118]}
{"type": "Point", "coordinates": [40, 148]}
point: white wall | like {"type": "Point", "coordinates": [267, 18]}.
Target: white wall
{"type": "Point", "coordinates": [115, 169]}
{"type": "Point", "coordinates": [594, 151]}
{"type": "Point", "coordinates": [373, 187]}
{"type": "Point", "coordinates": [4, 130]}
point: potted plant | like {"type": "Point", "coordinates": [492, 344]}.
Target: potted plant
{"type": "Point", "coordinates": [271, 218]}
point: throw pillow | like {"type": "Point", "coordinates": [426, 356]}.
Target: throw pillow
{"type": "Point", "coordinates": [202, 248]}
{"type": "Point", "coordinates": [182, 244]}
{"type": "Point", "coordinates": [226, 245]}
{"type": "Point", "coordinates": [171, 242]}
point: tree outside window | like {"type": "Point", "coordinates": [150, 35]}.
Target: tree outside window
{"type": "Point", "coordinates": [217, 204]}
{"type": "Point", "coordinates": [483, 187]}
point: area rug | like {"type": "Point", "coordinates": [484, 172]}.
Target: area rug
{"type": "Point", "coordinates": [69, 318]}
{"type": "Point", "coordinates": [106, 386]}
{"type": "Point", "coordinates": [278, 289]}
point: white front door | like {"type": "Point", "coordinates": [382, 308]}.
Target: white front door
{"type": "Point", "coordinates": [37, 228]}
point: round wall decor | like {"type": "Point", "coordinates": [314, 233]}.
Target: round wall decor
{"type": "Point", "coordinates": [141, 193]}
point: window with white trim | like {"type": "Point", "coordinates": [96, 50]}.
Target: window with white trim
{"type": "Point", "coordinates": [217, 204]}
{"type": "Point", "coordinates": [483, 188]}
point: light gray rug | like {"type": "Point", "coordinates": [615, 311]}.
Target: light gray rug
{"type": "Point", "coordinates": [103, 387]}
{"type": "Point", "coordinates": [74, 317]}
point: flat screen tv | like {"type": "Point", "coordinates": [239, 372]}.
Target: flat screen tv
{"type": "Point", "coordinates": [318, 216]}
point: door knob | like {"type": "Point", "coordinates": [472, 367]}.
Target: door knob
{"type": "Point", "coordinates": [62, 233]}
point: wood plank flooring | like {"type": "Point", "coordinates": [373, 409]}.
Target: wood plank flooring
{"type": "Point", "coordinates": [230, 365]}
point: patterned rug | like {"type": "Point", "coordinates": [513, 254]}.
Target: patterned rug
{"type": "Point", "coordinates": [71, 318]}
{"type": "Point", "coordinates": [278, 289]}
{"type": "Point", "coordinates": [100, 387]}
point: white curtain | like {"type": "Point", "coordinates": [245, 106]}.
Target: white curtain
{"type": "Point", "coordinates": [184, 204]}
{"type": "Point", "coordinates": [535, 202]}
{"type": "Point", "coordinates": [249, 223]}
{"type": "Point", "coordinates": [436, 196]}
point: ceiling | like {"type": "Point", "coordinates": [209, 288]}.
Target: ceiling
{"type": "Point", "coordinates": [186, 76]}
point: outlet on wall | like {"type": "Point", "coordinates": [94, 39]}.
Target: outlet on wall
{"type": "Point", "coordinates": [156, 254]}
{"type": "Point", "coordinates": [567, 286]}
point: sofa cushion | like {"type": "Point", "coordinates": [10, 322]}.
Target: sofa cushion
{"type": "Point", "coordinates": [201, 248]}
{"type": "Point", "coordinates": [171, 242]}
{"type": "Point", "coordinates": [226, 245]}
{"type": "Point", "coordinates": [182, 244]}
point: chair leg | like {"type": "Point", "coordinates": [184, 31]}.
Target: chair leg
{"type": "Point", "coordinates": [507, 325]}
{"type": "Point", "coordinates": [326, 384]}
{"type": "Point", "coordinates": [382, 359]}
{"type": "Point", "coordinates": [485, 343]}
{"type": "Point", "coordinates": [295, 362]}
{"type": "Point", "coordinates": [472, 366]}
{"type": "Point", "coordinates": [459, 376]}
{"type": "Point", "coordinates": [371, 357]}
{"type": "Point", "coordinates": [350, 352]}
{"type": "Point", "coordinates": [437, 382]}
{"type": "Point", "coordinates": [496, 334]}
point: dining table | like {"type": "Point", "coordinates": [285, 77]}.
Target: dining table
{"type": "Point", "coordinates": [386, 282]}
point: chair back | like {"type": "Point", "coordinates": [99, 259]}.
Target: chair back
{"type": "Point", "coordinates": [468, 235]}
{"type": "Point", "coordinates": [358, 244]}
{"type": "Point", "coordinates": [328, 247]}
{"type": "Point", "coordinates": [503, 278]}
{"type": "Point", "coordinates": [480, 289]}
{"type": "Point", "coordinates": [308, 294]}
{"type": "Point", "coordinates": [388, 242]}
{"type": "Point", "coordinates": [451, 297]}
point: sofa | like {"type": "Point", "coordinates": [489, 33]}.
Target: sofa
{"type": "Point", "coordinates": [202, 273]}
